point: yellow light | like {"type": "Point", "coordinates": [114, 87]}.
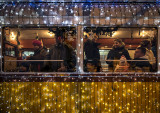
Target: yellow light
{"type": "Point", "coordinates": [50, 95]}
{"type": "Point", "coordinates": [85, 33]}
{"type": "Point", "coordinates": [51, 34]}
{"type": "Point", "coordinates": [12, 36]}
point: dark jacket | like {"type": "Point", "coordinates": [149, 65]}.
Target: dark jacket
{"type": "Point", "coordinates": [91, 50]}
{"type": "Point", "coordinates": [62, 52]}
{"type": "Point", "coordinates": [115, 54]}
{"type": "Point", "coordinates": [39, 54]}
{"type": "Point", "coordinates": [144, 65]}
{"type": "Point", "coordinates": [92, 53]}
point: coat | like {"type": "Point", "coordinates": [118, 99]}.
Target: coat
{"type": "Point", "coordinates": [92, 54]}
{"type": "Point", "coordinates": [144, 66]}
{"type": "Point", "coordinates": [91, 50]}
{"type": "Point", "coordinates": [115, 54]}
{"type": "Point", "coordinates": [39, 54]}
{"type": "Point", "coordinates": [62, 52]}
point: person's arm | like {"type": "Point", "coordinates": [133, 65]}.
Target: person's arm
{"type": "Point", "coordinates": [109, 57]}
{"type": "Point", "coordinates": [71, 61]}
{"type": "Point", "coordinates": [126, 54]}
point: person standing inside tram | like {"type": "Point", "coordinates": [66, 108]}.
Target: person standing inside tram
{"type": "Point", "coordinates": [92, 54]}
{"type": "Point", "coordinates": [116, 52]}
{"type": "Point", "coordinates": [64, 52]}
{"type": "Point", "coordinates": [39, 54]}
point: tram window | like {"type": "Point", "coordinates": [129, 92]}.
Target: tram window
{"type": "Point", "coordinates": [41, 49]}
{"type": "Point", "coordinates": [120, 49]}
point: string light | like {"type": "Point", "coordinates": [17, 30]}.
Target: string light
{"type": "Point", "coordinates": [96, 89]}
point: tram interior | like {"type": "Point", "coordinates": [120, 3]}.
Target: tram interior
{"type": "Point", "coordinates": [17, 42]}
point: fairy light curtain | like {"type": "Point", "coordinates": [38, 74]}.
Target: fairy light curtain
{"type": "Point", "coordinates": [89, 13]}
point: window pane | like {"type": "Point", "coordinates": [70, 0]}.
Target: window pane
{"type": "Point", "coordinates": [40, 49]}
{"type": "Point", "coordinates": [120, 49]}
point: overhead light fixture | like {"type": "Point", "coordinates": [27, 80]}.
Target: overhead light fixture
{"type": "Point", "coordinates": [51, 32]}
{"type": "Point", "coordinates": [12, 36]}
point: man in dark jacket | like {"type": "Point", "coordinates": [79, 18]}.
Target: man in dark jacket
{"type": "Point", "coordinates": [39, 54]}
{"type": "Point", "coordinates": [144, 66]}
{"type": "Point", "coordinates": [116, 52]}
{"type": "Point", "coordinates": [64, 53]}
{"type": "Point", "coordinates": [92, 53]}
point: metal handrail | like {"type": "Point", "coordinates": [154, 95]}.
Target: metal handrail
{"type": "Point", "coordinates": [63, 60]}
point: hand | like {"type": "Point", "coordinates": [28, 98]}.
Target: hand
{"type": "Point", "coordinates": [62, 68]}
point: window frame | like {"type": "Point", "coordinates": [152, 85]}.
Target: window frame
{"type": "Point", "coordinates": [80, 58]}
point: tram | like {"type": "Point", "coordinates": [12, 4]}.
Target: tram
{"type": "Point", "coordinates": [92, 56]}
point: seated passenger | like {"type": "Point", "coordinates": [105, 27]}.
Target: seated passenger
{"type": "Point", "coordinates": [147, 45]}
{"type": "Point", "coordinates": [91, 51]}
{"type": "Point", "coordinates": [39, 54]}
{"type": "Point", "coordinates": [123, 66]}
{"type": "Point", "coordinates": [61, 51]}
{"type": "Point", "coordinates": [149, 54]}
{"type": "Point", "coordinates": [115, 53]}
{"type": "Point", "coordinates": [139, 55]}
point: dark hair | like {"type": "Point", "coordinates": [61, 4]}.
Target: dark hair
{"type": "Point", "coordinates": [118, 40]}
{"type": "Point", "coordinates": [143, 50]}
{"type": "Point", "coordinates": [145, 43]}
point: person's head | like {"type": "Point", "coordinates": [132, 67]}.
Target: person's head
{"type": "Point", "coordinates": [139, 52]}
{"type": "Point", "coordinates": [118, 43]}
{"type": "Point", "coordinates": [123, 61]}
{"type": "Point", "coordinates": [95, 38]}
{"type": "Point", "coordinates": [59, 40]}
{"type": "Point", "coordinates": [146, 44]}
{"type": "Point", "coordinates": [36, 44]}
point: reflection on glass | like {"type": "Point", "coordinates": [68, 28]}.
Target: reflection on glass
{"type": "Point", "coordinates": [10, 50]}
